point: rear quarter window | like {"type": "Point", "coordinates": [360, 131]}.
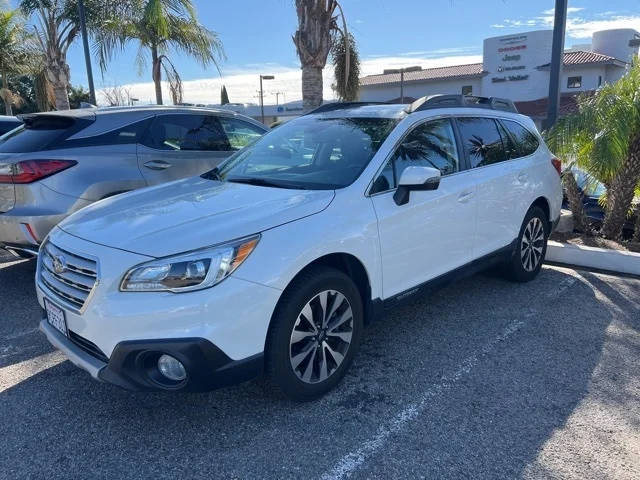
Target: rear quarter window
{"type": "Point", "coordinates": [525, 142]}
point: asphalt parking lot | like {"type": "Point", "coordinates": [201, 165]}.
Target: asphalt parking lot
{"type": "Point", "coordinates": [485, 379]}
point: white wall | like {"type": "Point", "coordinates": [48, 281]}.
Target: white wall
{"type": "Point", "coordinates": [518, 55]}
{"type": "Point", "coordinates": [384, 93]}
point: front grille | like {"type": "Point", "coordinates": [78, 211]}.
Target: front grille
{"type": "Point", "coordinates": [87, 346]}
{"type": "Point", "coordinates": [73, 282]}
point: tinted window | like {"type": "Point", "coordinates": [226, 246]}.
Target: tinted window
{"type": "Point", "coordinates": [310, 152]}
{"type": "Point", "coordinates": [432, 144]}
{"type": "Point", "coordinates": [524, 142]}
{"type": "Point", "coordinates": [186, 132]}
{"type": "Point", "coordinates": [127, 134]}
{"type": "Point", "coordinates": [8, 125]}
{"type": "Point", "coordinates": [40, 132]}
{"type": "Point", "coordinates": [239, 133]}
{"type": "Point", "coordinates": [482, 141]}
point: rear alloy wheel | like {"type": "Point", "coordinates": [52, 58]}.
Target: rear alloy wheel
{"type": "Point", "coordinates": [532, 244]}
{"type": "Point", "coordinates": [314, 334]}
{"type": "Point", "coordinates": [531, 247]}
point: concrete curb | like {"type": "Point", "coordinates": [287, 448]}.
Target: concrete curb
{"type": "Point", "coordinates": [594, 258]}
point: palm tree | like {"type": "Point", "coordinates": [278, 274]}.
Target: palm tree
{"type": "Point", "coordinates": [57, 25]}
{"type": "Point", "coordinates": [160, 26]}
{"type": "Point", "coordinates": [13, 54]}
{"type": "Point", "coordinates": [346, 64]}
{"type": "Point", "coordinates": [317, 32]}
{"type": "Point", "coordinates": [604, 139]}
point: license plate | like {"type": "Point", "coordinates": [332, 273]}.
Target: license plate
{"type": "Point", "coordinates": [55, 317]}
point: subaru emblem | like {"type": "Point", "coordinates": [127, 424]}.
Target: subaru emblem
{"type": "Point", "coordinates": [59, 264]}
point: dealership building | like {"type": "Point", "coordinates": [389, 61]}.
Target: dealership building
{"type": "Point", "coordinates": [515, 67]}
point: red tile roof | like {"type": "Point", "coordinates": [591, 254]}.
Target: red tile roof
{"type": "Point", "coordinates": [457, 71]}
{"type": "Point", "coordinates": [581, 57]}
{"type": "Point", "coordinates": [578, 57]}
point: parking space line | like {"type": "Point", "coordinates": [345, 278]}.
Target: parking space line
{"type": "Point", "coordinates": [349, 463]}
{"type": "Point", "coordinates": [19, 372]}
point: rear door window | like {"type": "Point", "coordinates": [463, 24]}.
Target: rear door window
{"type": "Point", "coordinates": [482, 141]}
{"type": "Point", "coordinates": [525, 142]}
{"type": "Point", "coordinates": [184, 132]}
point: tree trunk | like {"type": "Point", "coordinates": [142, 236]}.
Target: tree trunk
{"type": "Point", "coordinates": [157, 74]}
{"type": "Point", "coordinates": [636, 230]}
{"type": "Point", "coordinates": [6, 98]}
{"type": "Point", "coordinates": [620, 195]}
{"type": "Point", "coordinates": [580, 221]}
{"type": "Point", "coordinates": [311, 87]}
{"type": "Point", "coordinates": [58, 75]}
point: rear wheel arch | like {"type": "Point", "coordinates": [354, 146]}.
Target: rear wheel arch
{"type": "Point", "coordinates": [544, 205]}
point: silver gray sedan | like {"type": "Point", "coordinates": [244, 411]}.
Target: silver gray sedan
{"type": "Point", "coordinates": [58, 162]}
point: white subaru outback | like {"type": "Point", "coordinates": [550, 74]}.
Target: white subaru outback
{"type": "Point", "coordinates": [276, 260]}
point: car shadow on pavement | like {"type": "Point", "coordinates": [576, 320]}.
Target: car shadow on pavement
{"type": "Point", "coordinates": [491, 422]}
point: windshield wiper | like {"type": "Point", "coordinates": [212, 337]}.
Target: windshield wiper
{"type": "Point", "coordinates": [212, 175]}
{"type": "Point", "coordinates": [262, 182]}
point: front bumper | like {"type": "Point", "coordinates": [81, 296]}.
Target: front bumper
{"type": "Point", "coordinates": [132, 365]}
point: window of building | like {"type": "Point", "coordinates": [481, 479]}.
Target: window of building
{"type": "Point", "coordinates": [467, 90]}
{"type": "Point", "coordinates": [574, 82]}
{"type": "Point", "coordinates": [431, 144]}
{"type": "Point", "coordinates": [482, 141]}
{"type": "Point", "coordinates": [599, 80]}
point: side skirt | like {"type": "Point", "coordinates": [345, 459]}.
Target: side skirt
{"type": "Point", "coordinates": [378, 306]}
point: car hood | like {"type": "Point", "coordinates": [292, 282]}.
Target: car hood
{"type": "Point", "coordinates": [190, 214]}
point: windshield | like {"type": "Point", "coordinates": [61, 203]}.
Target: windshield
{"type": "Point", "coordinates": [309, 153]}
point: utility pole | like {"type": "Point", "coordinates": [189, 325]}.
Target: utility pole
{"type": "Point", "coordinates": [402, 85]}
{"type": "Point", "coordinates": [87, 57]}
{"type": "Point", "coordinates": [557, 57]}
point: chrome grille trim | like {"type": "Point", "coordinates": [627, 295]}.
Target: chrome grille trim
{"type": "Point", "coordinates": [74, 285]}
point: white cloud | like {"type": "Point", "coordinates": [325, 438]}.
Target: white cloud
{"type": "Point", "coordinates": [578, 27]}
{"type": "Point", "coordinates": [243, 82]}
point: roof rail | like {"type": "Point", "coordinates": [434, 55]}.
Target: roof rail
{"type": "Point", "coordinates": [330, 107]}
{"type": "Point", "coordinates": [469, 101]}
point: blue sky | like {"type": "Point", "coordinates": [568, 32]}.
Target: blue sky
{"type": "Point", "coordinates": [257, 39]}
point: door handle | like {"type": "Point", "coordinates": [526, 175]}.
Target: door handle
{"type": "Point", "coordinates": [157, 165]}
{"type": "Point", "coordinates": [465, 197]}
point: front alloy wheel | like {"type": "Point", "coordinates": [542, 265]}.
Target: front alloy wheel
{"type": "Point", "coordinates": [321, 336]}
{"type": "Point", "coordinates": [314, 333]}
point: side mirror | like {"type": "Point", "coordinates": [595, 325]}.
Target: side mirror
{"type": "Point", "coordinates": [416, 178]}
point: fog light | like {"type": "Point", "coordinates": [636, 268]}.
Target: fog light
{"type": "Point", "coordinates": [171, 368]}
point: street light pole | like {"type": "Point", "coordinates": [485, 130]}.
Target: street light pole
{"type": "Point", "coordinates": [263, 77]}
{"type": "Point", "coordinates": [402, 85]}
{"type": "Point", "coordinates": [557, 57]}
{"type": "Point", "coordinates": [87, 58]}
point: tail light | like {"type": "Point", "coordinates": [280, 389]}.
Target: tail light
{"type": "Point", "coordinates": [557, 164]}
{"type": "Point", "coordinates": [30, 171]}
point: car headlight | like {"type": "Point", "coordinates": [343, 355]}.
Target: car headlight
{"type": "Point", "coordinates": [189, 271]}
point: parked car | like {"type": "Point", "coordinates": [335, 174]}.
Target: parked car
{"type": "Point", "coordinates": [276, 260]}
{"type": "Point", "coordinates": [57, 163]}
{"type": "Point", "coordinates": [8, 123]}
{"type": "Point", "coordinates": [592, 190]}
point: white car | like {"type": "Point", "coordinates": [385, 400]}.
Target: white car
{"type": "Point", "coordinates": [276, 260]}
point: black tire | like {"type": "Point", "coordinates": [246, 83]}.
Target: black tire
{"type": "Point", "coordinates": [305, 291]}
{"type": "Point", "coordinates": [519, 268]}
